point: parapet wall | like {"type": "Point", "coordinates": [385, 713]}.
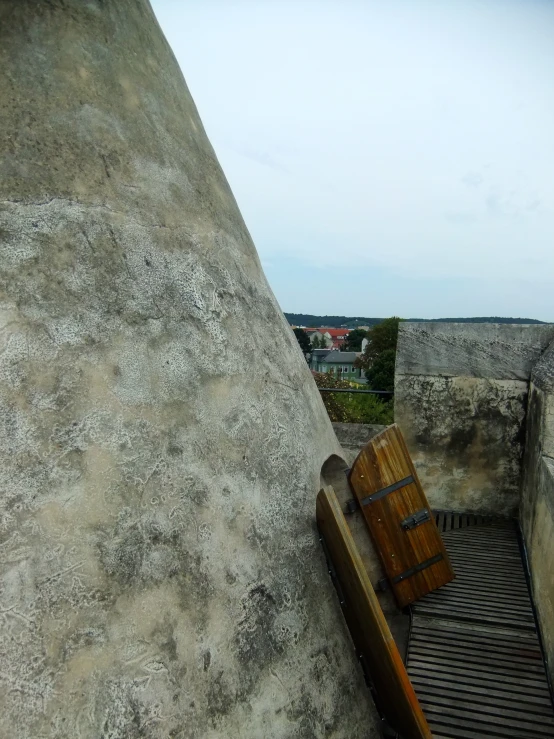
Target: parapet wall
{"type": "Point", "coordinates": [354, 436]}
{"type": "Point", "coordinates": [537, 504]}
{"type": "Point", "coordinates": [460, 399]}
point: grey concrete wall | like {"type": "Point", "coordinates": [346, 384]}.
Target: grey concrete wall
{"type": "Point", "coordinates": [460, 399]}
{"type": "Point", "coordinates": [496, 351]}
{"type": "Point", "coordinates": [354, 436]}
{"type": "Point", "coordinates": [537, 505]}
{"type": "Point", "coordinates": [161, 437]}
{"type": "Point", "coordinates": [539, 539]}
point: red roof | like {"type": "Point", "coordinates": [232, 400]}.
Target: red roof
{"type": "Point", "coordinates": [334, 333]}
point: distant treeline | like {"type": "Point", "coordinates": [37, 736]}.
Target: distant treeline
{"type": "Point", "coordinates": [482, 319]}
{"type": "Point", "coordinates": [305, 319]}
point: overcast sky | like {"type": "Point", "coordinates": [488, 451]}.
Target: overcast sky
{"type": "Point", "coordinates": [388, 156]}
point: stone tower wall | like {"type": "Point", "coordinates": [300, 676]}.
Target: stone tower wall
{"type": "Point", "coordinates": [161, 438]}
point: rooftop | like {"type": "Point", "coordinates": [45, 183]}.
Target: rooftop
{"type": "Point", "coordinates": [335, 357]}
{"type": "Point", "coordinates": [334, 333]}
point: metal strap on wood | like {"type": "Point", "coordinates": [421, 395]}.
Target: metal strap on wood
{"type": "Point", "coordinates": [417, 568]}
{"type": "Point", "coordinates": [386, 491]}
{"type": "Point", "coordinates": [416, 519]}
{"type": "Point", "coordinates": [352, 505]}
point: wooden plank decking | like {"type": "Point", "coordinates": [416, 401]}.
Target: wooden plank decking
{"type": "Point", "coordinates": [474, 656]}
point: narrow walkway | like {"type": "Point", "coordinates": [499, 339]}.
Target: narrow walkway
{"type": "Point", "coordinates": [474, 656]}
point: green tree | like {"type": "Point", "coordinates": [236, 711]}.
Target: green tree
{"type": "Point", "coordinates": [319, 342]}
{"type": "Point", "coordinates": [353, 342]}
{"type": "Point", "coordinates": [380, 375]}
{"type": "Point", "coordinates": [379, 356]}
{"type": "Point", "coordinates": [352, 408]}
{"type": "Point", "coordinates": [304, 341]}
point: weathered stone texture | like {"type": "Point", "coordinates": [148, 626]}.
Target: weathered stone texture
{"type": "Point", "coordinates": [543, 383]}
{"type": "Point", "coordinates": [466, 438]}
{"type": "Point", "coordinates": [537, 504]}
{"type": "Point", "coordinates": [489, 350]}
{"type": "Point", "coordinates": [538, 526]}
{"type": "Point", "coordinates": [161, 438]}
{"type": "Point", "coordinates": [354, 436]}
{"type": "Point", "coordinates": [543, 371]}
{"type": "Point", "coordinates": [538, 444]}
{"type": "Point", "coordinates": [460, 398]}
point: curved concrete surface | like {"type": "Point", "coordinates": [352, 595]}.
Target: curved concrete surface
{"type": "Point", "coordinates": [161, 438]}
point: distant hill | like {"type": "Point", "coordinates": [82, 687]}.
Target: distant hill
{"type": "Point", "coordinates": [482, 319]}
{"type": "Point", "coordinates": [305, 319]}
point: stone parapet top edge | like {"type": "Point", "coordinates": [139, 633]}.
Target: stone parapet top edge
{"type": "Point", "coordinates": [449, 375]}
